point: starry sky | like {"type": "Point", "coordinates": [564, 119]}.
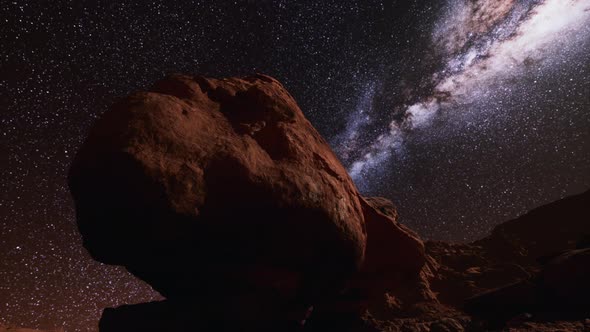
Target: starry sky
{"type": "Point", "coordinates": [465, 113]}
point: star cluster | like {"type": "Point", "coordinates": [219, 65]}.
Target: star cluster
{"type": "Point", "coordinates": [355, 67]}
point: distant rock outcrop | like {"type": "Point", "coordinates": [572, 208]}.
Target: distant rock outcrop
{"type": "Point", "coordinates": [543, 231]}
{"type": "Point", "coordinates": [560, 290]}
{"type": "Point", "coordinates": [513, 252]}
{"type": "Point", "coordinates": [530, 270]}
{"type": "Point", "coordinates": [223, 197]}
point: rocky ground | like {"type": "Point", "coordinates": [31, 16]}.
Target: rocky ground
{"type": "Point", "coordinates": [223, 197]}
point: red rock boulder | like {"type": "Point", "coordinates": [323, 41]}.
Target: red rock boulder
{"type": "Point", "coordinates": [218, 188]}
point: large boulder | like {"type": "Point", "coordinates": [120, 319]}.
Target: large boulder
{"type": "Point", "coordinates": [218, 188]}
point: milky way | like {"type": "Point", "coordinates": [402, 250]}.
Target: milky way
{"type": "Point", "coordinates": [485, 46]}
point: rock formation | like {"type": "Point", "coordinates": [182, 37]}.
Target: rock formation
{"type": "Point", "coordinates": [223, 197]}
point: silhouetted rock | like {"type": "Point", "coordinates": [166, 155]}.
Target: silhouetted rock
{"type": "Point", "coordinates": [464, 270]}
{"type": "Point", "coordinates": [528, 266]}
{"type": "Point", "coordinates": [394, 260]}
{"type": "Point", "coordinates": [565, 281]}
{"type": "Point", "coordinates": [512, 253]}
{"type": "Point", "coordinates": [390, 280]}
{"type": "Point", "coordinates": [220, 192]}
{"type": "Point", "coordinates": [560, 291]}
{"type": "Point", "coordinates": [546, 230]}
{"type": "Point", "coordinates": [205, 183]}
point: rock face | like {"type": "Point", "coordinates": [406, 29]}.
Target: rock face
{"type": "Point", "coordinates": [220, 190]}
{"type": "Point", "coordinates": [395, 258]}
{"type": "Point", "coordinates": [391, 279]}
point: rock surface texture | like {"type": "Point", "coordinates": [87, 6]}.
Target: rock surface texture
{"type": "Point", "coordinates": [223, 197]}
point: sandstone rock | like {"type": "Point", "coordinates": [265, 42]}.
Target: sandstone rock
{"type": "Point", "coordinates": [392, 277]}
{"type": "Point", "coordinates": [207, 185]}
{"type": "Point", "coordinates": [393, 250]}
{"type": "Point", "coordinates": [221, 190]}
{"type": "Point", "coordinates": [509, 289]}
{"type": "Point", "coordinates": [390, 282]}
{"type": "Point", "coordinates": [383, 205]}
{"type": "Point", "coordinates": [386, 236]}
{"type": "Point", "coordinates": [223, 197]}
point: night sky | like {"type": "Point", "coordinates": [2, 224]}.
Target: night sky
{"type": "Point", "coordinates": [465, 113]}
